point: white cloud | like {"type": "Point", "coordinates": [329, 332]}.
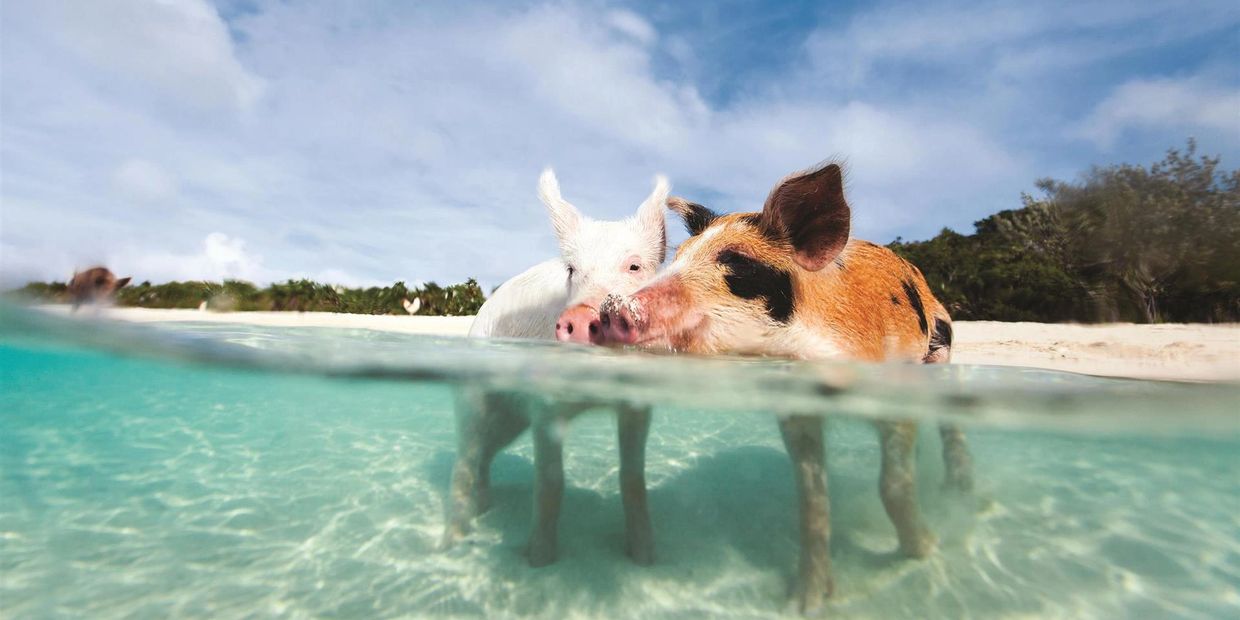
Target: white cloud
{"type": "Point", "coordinates": [178, 48]}
{"type": "Point", "coordinates": [144, 182]}
{"type": "Point", "coordinates": [403, 141]}
{"type": "Point", "coordinates": [573, 66]}
{"type": "Point", "coordinates": [632, 25]}
{"type": "Point", "coordinates": [228, 258]}
{"type": "Point", "coordinates": [1004, 40]}
{"type": "Point", "coordinates": [1187, 104]}
{"type": "Point", "coordinates": [221, 257]}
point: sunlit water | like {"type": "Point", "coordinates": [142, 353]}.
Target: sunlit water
{"type": "Point", "coordinates": [194, 470]}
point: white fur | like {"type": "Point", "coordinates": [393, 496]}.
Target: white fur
{"type": "Point", "coordinates": [565, 218]}
{"type": "Point", "coordinates": [528, 305]}
{"type": "Point", "coordinates": [525, 306]}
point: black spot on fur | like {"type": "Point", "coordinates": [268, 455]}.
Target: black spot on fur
{"type": "Point", "coordinates": [839, 261]}
{"type": "Point", "coordinates": [750, 279]}
{"type": "Point", "coordinates": [394, 374]}
{"type": "Point", "coordinates": [914, 300]}
{"type": "Point", "coordinates": [826, 389]}
{"type": "Point", "coordinates": [942, 336]}
{"type": "Point", "coordinates": [895, 301]}
{"type": "Point", "coordinates": [698, 218]}
{"type": "Point", "coordinates": [962, 401]}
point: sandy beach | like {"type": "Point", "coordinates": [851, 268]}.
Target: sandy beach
{"type": "Point", "coordinates": [427, 325]}
{"type": "Point", "coordinates": [1182, 352]}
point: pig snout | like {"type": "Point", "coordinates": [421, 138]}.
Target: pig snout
{"type": "Point", "coordinates": [578, 324]}
{"type": "Point", "coordinates": [660, 315]}
{"type": "Point", "coordinates": [618, 320]}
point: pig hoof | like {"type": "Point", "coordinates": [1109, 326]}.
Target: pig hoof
{"type": "Point", "coordinates": [540, 554]}
{"type": "Point", "coordinates": [811, 596]}
{"type": "Point", "coordinates": [452, 534]}
{"type": "Point", "coordinates": [641, 552]}
{"type": "Point", "coordinates": [919, 546]}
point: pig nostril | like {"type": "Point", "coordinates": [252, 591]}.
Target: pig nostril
{"type": "Point", "coordinates": [557, 327]}
{"type": "Point", "coordinates": [593, 329]}
{"type": "Point", "coordinates": [570, 328]}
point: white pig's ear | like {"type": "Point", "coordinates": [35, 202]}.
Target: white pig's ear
{"type": "Point", "coordinates": [650, 214]}
{"type": "Point", "coordinates": [565, 218]}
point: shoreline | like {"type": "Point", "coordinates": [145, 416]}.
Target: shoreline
{"type": "Point", "coordinates": [1172, 352]}
{"type": "Point", "coordinates": [423, 325]}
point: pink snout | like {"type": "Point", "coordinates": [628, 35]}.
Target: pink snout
{"type": "Point", "coordinates": [578, 324]}
{"type": "Point", "coordinates": [618, 323]}
{"type": "Point", "coordinates": [662, 314]}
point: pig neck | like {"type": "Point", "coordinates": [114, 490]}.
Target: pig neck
{"type": "Point", "coordinates": [868, 304]}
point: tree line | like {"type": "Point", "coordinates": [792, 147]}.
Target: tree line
{"type": "Point", "coordinates": [1123, 243]}
{"type": "Point", "coordinates": [293, 295]}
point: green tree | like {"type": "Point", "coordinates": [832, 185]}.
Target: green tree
{"type": "Point", "coordinates": [1148, 234]}
{"type": "Point", "coordinates": [1124, 242]}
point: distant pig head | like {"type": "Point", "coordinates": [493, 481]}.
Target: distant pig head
{"type": "Point", "coordinates": [603, 257]}
{"type": "Point", "coordinates": [731, 287]}
{"type": "Point", "coordinates": [95, 285]}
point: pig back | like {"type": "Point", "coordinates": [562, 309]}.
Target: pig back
{"type": "Point", "coordinates": [874, 304]}
{"type": "Point", "coordinates": [525, 306]}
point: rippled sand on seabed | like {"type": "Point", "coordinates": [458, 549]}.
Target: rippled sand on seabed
{"type": "Point", "coordinates": [139, 485]}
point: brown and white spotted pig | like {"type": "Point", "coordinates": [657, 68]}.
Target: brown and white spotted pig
{"type": "Point", "coordinates": [95, 285]}
{"type": "Point", "coordinates": [788, 282]}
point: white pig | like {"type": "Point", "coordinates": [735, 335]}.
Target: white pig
{"type": "Point", "coordinates": [596, 258]}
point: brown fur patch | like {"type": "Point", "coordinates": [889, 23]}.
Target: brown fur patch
{"type": "Point", "coordinates": [853, 307]}
{"type": "Point", "coordinates": [94, 284]}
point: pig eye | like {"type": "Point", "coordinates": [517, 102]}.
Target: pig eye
{"type": "Point", "coordinates": [635, 267]}
{"type": "Point", "coordinates": [571, 271]}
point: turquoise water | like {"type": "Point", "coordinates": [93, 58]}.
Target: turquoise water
{"type": "Point", "coordinates": [199, 470]}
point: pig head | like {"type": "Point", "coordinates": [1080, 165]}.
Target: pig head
{"type": "Point", "coordinates": [786, 281]}
{"type": "Point", "coordinates": [94, 285]}
{"type": "Point", "coordinates": [602, 257]}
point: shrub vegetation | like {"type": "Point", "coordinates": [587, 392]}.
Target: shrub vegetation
{"type": "Point", "coordinates": [293, 295]}
{"type": "Point", "coordinates": [1124, 243]}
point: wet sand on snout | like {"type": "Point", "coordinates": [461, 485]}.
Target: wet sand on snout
{"type": "Point", "coordinates": [1181, 352]}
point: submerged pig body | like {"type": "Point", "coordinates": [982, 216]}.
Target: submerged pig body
{"type": "Point", "coordinates": [789, 282]}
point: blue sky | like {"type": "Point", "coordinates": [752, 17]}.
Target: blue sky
{"type": "Point", "coordinates": [366, 142]}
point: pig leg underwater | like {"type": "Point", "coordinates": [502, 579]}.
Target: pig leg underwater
{"type": "Point", "coordinates": [486, 423]}
{"type": "Point", "coordinates": [548, 488]}
{"type": "Point", "coordinates": [633, 426]}
{"type": "Point", "coordinates": [898, 487]}
{"type": "Point", "coordinates": [804, 442]}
